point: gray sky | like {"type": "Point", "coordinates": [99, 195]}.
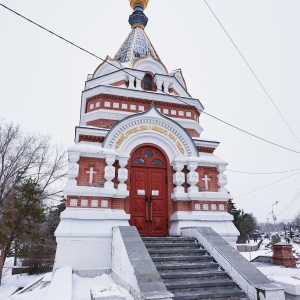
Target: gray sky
{"type": "Point", "coordinates": [42, 77]}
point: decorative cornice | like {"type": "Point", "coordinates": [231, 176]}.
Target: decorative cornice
{"type": "Point", "coordinates": [147, 123]}
{"type": "Point", "coordinates": [117, 91]}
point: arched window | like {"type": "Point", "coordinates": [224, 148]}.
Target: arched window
{"type": "Point", "coordinates": [139, 161]}
{"type": "Point", "coordinates": [148, 82]}
{"type": "Point", "coordinates": [157, 162]}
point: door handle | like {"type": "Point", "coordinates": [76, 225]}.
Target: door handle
{"type": "Point", "coordinates": [146, 208]}
{"type": "Point", "coordinates": [150, 208]}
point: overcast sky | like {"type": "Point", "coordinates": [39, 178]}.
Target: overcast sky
{"type": "Point", "coordinates": [42, 77]}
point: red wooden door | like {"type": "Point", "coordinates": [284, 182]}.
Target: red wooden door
{"type": "Point", "coordinates": [148, 193]}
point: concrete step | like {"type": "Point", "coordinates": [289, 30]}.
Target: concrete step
{"type": "Point", "coordinates": [195, 275]}
{"type": "Point", "coordinates": [185, 258]}
{"type": "Point", "coordinates": [169, 239]}
{"type": "Point", "coordinates": [176, 252]}
{"type": "Point", "coordinates": [220, 294]}
{"type": "Point", "coordinates": [189, 272]}
{"type": "Point", "coordinates": [186, 285]}
{"type": "Point", "coordinates": [192, 266]}
{"type": "Point", "coordinates": [175, 245]}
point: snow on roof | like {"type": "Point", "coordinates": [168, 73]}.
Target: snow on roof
{"type": "Point", "coordinates": [210, 158]}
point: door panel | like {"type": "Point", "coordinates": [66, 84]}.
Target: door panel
{"type": "Point", "coordinates": [138, 203]}
{"type": "Point", "coordinates": [158, 206]}
{"type": "Point", "coordinates": [148, 192]}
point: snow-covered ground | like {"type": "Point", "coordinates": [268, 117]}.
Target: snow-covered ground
{"type": "Point", "coordinates": [289, 278]}
{"type": "Point", "coordinates": [81, 286]}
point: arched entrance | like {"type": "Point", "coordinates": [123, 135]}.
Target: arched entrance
{"type": "Point", "coordinates": [148, 191]}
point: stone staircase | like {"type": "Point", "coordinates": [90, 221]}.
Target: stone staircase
{"type": "Point", "coordinates": [188, 271]}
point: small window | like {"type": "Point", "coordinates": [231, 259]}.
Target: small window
{"type": "Point", "coordinates": [139, 161]}
{"type": "Point", "coordinates": [148, 82]}
{"type": "Point", "coordinates": [157, 162]}
{"type": "Point", "coordinates": [148, 153]}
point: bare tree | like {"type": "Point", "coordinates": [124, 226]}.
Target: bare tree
{"type": "Point", "coordinates": [26, 156]}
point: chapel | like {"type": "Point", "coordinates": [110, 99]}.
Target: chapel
{"type": "Point", "coordinates": [139, 158]}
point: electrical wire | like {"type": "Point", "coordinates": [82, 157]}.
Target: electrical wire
{"type": "Point", "coordinates": [272, 183]}
{"type": "Point", "coordinates": [290, 205]}
{"type": "Point", "coordinates": [252, 71]}
{"type": "Point", "coordinates": [262, 173]}
{"type": "Point", "coordinates": [98, 57]}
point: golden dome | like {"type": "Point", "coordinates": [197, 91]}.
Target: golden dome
{"type": "Point", "coordinates": [134, 2]}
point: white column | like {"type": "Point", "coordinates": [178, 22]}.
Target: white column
{"type": "Point", "coordinates": [109, 171]}
{"type": "Point", "coordinates": [159, 84]}
{"type": "Point", "coordinates": [166, 87]}
{"type": "Point", "coordinates": [73, 168]}
{"type": "Point", "coordinates": [192, 176]}
{"type": "Point", "coordinates": [178, 177]}
{"type": "Point", "coordinates": [122, 174]}
{"type": "Point", "coordinates": [222, 179]}
{"type": "Point", "coordinates": [139, 82]}
{"type": "Point", "coordinates": [131, 82]}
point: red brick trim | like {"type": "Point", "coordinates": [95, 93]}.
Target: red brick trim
{"type": "Point", "coordinates": [90, 138]}
{"type": "Point", "coordinates": [102, 123]}
{"type": "Point", "coordinates": [118, 83]}
{"type": "Point", "coordinates": [206, 149]}
{"type": "Point", "coordinates": [192, 132]}
{"type": "Point", "coordinates": [172, 90]}
{"type": "Point", "coordinates": [101, 98]}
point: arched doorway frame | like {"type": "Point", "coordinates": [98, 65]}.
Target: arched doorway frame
{"type": "Point", "coordinates": [167, 171]}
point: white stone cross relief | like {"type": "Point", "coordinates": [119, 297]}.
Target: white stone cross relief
{"type": "Point", "coordinates": [206, 179]}
{"type": "Point", "coordinates": [91, 172]}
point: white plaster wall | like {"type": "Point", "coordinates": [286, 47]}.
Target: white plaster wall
{"type": "Point", "coordinates": [219, 222]}
{"type": "Point", "coordinates": [83, 253]}
{"type": "Point", "coordinates": [84, 238]}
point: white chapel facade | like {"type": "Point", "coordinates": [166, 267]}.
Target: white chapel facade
{"type": "Point", "coordinates": [139, 158]}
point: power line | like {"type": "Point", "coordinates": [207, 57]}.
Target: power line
{"type": "Point", "coordinates": [290, 204]}
{"type": "Point", "coordinates": [272, 183]}
{"type": "Point", "coordinates": [262, 173]}
{"type": "Point", "coordinates": [94, 55]}
{"type": "Point", "coordinates": [260, 83]}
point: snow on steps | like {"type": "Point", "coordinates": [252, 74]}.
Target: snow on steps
{"type": "Point", "coordinates": [61, 285]}
{"type": "Point", "coordinates": [61, 288]}
{"type": "Point", "coordinates": [106, 293]}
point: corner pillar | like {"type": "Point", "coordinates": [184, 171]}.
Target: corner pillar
{"type": "Point", "coordinates": [222, 178]}
{"type": "Point", "coordinates": [192, 176]}
{"type": "Point", "coordinates": [178, 177]}
{"type": "Point", "coordinates": [109, 171]}
{"type": "Point", "coordinates": [122, 174]}
{"type": "Point", "coordinates": [73, 168]}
